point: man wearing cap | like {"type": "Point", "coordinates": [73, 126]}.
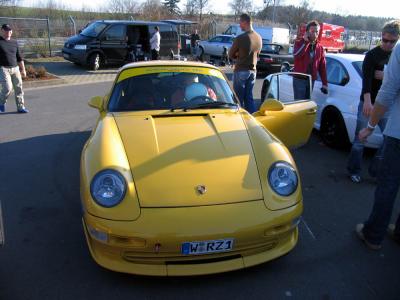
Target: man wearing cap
{"type": "Point", "coordinates": [11, 68]}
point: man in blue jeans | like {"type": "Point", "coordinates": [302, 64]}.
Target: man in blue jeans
{"type": "Point", "coordinates": [372, 71]}
{"type": "Point", "coordinates": [372, 232]}
{"type": "Point", "coordinates": [244, 51]}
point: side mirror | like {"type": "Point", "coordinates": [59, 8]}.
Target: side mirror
{"type": "Point", "coordinates": [271, 105]}
{"type": "Point", "coordinates": [96, 102]}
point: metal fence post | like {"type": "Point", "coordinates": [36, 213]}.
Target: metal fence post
{"type": "Point", "coordinates": [48, 33]}
{"type": "Point", "coordinates": [73, 23]}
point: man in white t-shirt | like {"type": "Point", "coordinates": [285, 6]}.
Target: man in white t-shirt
{"type": "Point", "coordinates": [155, 44]}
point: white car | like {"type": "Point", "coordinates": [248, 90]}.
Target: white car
{"type": "Point", "coordinates": [337, 111]}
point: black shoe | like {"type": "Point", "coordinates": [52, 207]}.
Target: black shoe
{"type": "Point", "coordinates": [360, 234]}
{"type": "Point", "coordinates": [392, 234]}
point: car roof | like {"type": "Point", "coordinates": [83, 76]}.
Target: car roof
{"type": "Point", "coordinates": [133, 22]}
{"type": "Point", "coordinates": [347, 56]}
{"type": "Point", "coordinates": [168, 63]}
{"type": "Point", "coordinates": [227, 35]}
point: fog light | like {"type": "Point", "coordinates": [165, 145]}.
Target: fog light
{"type": "Point", "coordinates": [283, 228]}
{"type": "Point", "coordinates": [98, 235]}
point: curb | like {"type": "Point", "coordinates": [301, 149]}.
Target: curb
{"type": "Point", "coordinates": [43, 83]}
{"type": "Point", "coordinates": [47, 82]}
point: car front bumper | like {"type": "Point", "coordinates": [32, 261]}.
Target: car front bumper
{"type": "Point", "coordinates": [77, 56]}
{"type": "Point", "coordinates": [151, 245]}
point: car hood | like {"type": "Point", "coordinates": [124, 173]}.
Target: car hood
{"type": "Point", "coordinates": [189, 159]}
{"type": "Point", "coordinates": [79, 39]}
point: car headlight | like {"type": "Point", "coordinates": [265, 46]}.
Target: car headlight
{"type": "Point", "coordinates": [283, 178]}
{"type": "Point", "coordinates": [80, 47]}
{"type": "Point", "coordinates": [108, 188]}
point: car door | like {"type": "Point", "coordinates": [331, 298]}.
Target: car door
{"type": "Point", "coordinates": [213, 45]}
{"type": "Point", "coordinates": [292, 115]}
{"type": "Point", "coordinates": [338, 79]}
{"type": "Point", "coordinates": [114, 43]}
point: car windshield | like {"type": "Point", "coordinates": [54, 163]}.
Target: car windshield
{"type": "Point", "coordinates": [94, 29]}
{"type": "Point", "coordinates": [358, 66]}
{"type": "Point", "coordinates": [171, 90]}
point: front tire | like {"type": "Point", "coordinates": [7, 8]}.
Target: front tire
{"type": "Point", "coordinates": [333, 130]}
{"type": "Point", "coordinates": [94, 62]}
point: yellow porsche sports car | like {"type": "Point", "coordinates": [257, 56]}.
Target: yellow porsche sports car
{"type": "Point", "coordinates": [177, 179]}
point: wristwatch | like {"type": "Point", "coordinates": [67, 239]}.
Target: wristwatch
{"type": "Point", "coordinates": [369, 126]}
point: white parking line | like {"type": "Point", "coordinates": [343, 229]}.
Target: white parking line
{"type": "Point", "coordinates": [308, 228]}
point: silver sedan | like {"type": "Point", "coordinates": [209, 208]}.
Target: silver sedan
{"type": "Point", "coordinates": [215, 46]}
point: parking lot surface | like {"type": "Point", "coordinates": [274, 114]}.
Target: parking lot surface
{"type": "Point", "coordinates": [46, 257]}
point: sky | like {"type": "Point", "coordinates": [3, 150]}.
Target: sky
{"type": "Point", "coordinates": [386, 8]}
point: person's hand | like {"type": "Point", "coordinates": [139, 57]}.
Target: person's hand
{"type": "Point", "coordinates": [379, 75]}
{"type": "Point", "coordinates": [324, 89]}
{"type": "Point", "coordinates": [364, 134]}
{"type": "Point", "coordinates": [367, 108]}
{"type": "Point", "coordinates": [23, 73]}
{"type": "Point", "coordinates": [305, 37]}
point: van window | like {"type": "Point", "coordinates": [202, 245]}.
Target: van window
{"type": "Point", "coordinates": [115, 32]}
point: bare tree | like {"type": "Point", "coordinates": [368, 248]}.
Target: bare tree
{"type": "Point", "coordinates": [172, 6]}
{"type": "Point", "coordinates": [116, 6]}
{"type": "Point", "coordinates": [241, 6]}
{"type": "Point", "coordinates": [190, 8]}
{"type": "Point", "coordinates": [131, 6]}
{"type": "Point", "coordinates": [154, 10]}
{"type": "Point", "coordinates": [201, 5]}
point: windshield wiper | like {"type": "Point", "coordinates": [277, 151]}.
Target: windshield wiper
{"type": "Point", "coordinates": [211, 105]}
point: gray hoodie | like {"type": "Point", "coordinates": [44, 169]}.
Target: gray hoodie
{"type": "Point", "coordinates": [389, 94]}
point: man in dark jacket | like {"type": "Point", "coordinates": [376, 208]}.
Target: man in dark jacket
{"type": "Point", "coordinates": [11, 68]}
{"type": "Point", "coordinates": [374, 62]}
{"type": "Point", "coordinates": [309, 58]}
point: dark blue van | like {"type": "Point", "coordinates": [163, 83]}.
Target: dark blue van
{"type": "Point", "coordinates": [118, 42]}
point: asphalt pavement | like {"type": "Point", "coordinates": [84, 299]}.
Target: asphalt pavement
{"type": "Point", "coordinates": [46, 257]}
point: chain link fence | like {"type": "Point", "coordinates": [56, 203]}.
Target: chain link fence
{"type": "Point", "coordinates": [42, 37]}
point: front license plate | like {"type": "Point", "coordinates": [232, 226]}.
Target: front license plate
{"type": "Point", "coordinates": [206, 247]}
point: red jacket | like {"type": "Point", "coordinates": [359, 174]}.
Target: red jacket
{"type": "Point", "coordinates": [302, 60]}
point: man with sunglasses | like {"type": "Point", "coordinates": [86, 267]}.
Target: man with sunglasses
{"type": "Point", "coordinates": [372, 232]}
{"type": "Point", "coordinates": [373, 66]}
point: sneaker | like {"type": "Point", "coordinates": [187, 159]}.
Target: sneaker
{"type": "Point", "coordinates": [360, 235]}
{"type": "Point", "coordinates": [355, 178]}
{"type": "Point", "coordinates": [23, 110]}
{"type": "Point", "coordinates": [390, 230]}
{"type": "Point", "coordinates": [2, 108]}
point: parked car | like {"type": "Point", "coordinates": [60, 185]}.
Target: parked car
{"type": "Point", "coordinates": [215, 45]}
{"type": "Point", "coordinates": [337, 111]}
{"type": "Point", "coordinates": [270, 34]}
{"type": "Point", "coordinates": [272, 60]}
{"type": "Point", "coordinates": [118, 42]}
{"type": "Point", "coordinates": [177, 179]}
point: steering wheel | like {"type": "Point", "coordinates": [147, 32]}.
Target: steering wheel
{"type": "Point", "coordinates": [204, 98]}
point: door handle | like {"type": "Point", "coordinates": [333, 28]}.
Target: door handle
{"type": "Point", "coordinates": [312, 111]}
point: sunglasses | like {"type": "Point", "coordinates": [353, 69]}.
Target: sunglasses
{"type": "Point", "coordinates": [388, 41]}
